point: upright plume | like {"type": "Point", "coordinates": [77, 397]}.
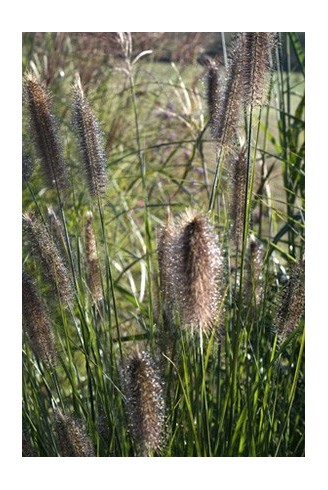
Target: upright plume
{"type": "Point", "coordinates": [143, 389]}
{"type": "Point", "coordinates": [90, 142]}
{"type": "Point", "coordinates": [190, 263]}
{"type": "Point", "coordinates": [46, 252]}
{"type": "Point", "coordinates": [37, 324]}
{"type": "Point", "coordinates": [45, 133]}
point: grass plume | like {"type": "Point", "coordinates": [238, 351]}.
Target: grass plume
{"type": "Point", "coordinates": [191, 265]}
{"type": "Point", "coordinates": [143, 388]}
{"type": "Point", "coordinates": [73, 440]}
{"type": "Point", "coordinates": [237, 195]}
{"type": "Point", "coordinates": [213, 96]}
{"type": "Point", "coordinates": [91, 261]}
{"type": "Point", "coordinates": [45, 133]}
{"type": "Point", "coordinates": [46, 252]}
{"type": "Point", "coordinates": [90, 142]}
{"type": "Point", "coordinates": [292, 301]}
{"type": "Point", "coordinates": [230, 103]}
{"type": "Point", "coordinates": [256, 66]}
{"type": "Point", "coordinates": [37, 323]}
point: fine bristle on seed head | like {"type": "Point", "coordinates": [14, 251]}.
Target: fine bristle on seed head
{"type": "Point", "coordinates": [72, 438]}
{"type": "Point", "coordinates": [143, 388]}
{"type": "Point", "coordinates": [46, 252]}
{"type": "Point", "coordinates": [256, 66]}
{"type": "Point", "coordinates": [90, 142]}
{"type": "Point", "coordinates": [291, 301]}
{"type": "Point", "coordinates": [45, 133]}
{"type": "Point", "coordinates": [238, 195]}
{"type": "Point", "coordinates": [37, 324]}
{"type": "Point", "coordinates": [190, 261]}
{"type": "Point", "coordinates": [91, 261]}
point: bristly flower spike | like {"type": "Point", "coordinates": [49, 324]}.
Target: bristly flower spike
{"type": "Point", "coordinates": [213, 96]}
{"type": "Point", "coordinates": [292, 301]}
{"type": "Point", "coordinates": [238, 195]}
{"type": "Point", "coordinates": [90, 142]}
{"type": "Point", "coordinates": [73, 440]}
{"type": "Point", "coordinates": [190, 261]}
{"type": "Point", "coordinates": [144, 391]}
{"type": "Point", "coordinates": [37, 324]}
{"type": "Point", "coordinates": [257, 56]}
{"type": "Point", "coordinates": [45, 251]}
{"type": "Point", "coordinates": [45, 132]}
{"type": "Point", "coordinates": [91, 261]}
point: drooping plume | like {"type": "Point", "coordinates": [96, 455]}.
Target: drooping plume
{"type": "Point", "coordinates": [37, 324]}
{"type": "Point", "coordinates": [143, 389]}
{"type": "Point", "coordinates": [91, 262]}
{"type": "Point", "coordinates": [292, 301]}
{"type": "Point", "coordinates": [90, 143]}
{"type": "Point", "coordinates": [45, 251]}
{"type": "Point", "coordinates": [190, 262]}
{"type": "Point", "coordinates": [73, 440]}
{"type": "Point", "coordinates": [45, 133]}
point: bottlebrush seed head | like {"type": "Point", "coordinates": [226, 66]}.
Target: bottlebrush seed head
{"type": "Point", "coordinates": [91, 261]}
{"type": "Point", "coordinates": [37, 324]}
{"type": "Point", "coordinates": [230, 103]}
{"type": "Point", "coordinates": [45, 251]}
{"type": "Point", "coordinates": [143, 388]}
{"type": "Point", "coordinates": [213, 96]}
{"type": "Point", "coordinates": [292, 301]}
{"type": "Point", "coordinates": [73, 440]}
{"type": "Point", "coordinates": [238, 195]}
{"type": "Point", "coordinates": [257, 55]}
{"type": "Point", "coordinates": [90, 142]}
{"type": "Point", "coordinates": [191, 265]}
{"type": "Point", "coordinates": [45, 133]}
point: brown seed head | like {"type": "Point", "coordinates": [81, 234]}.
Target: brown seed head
{"type": "Point", "coordinates": [256, 66]}
{"type": "Point", "coordinates": [213, 96]}
{"type": "Point", "coordinates": [143, 388]}
{"type": "Point", "coordinates": [45, 250]}
{"type": "Point", "coordinates": [92, 264]}
{"type": "Point", "coordinates": [73, 440]}
{"type": "Point", "coordinates": [90, 142]}
{"type": "Point", "coordinates": [45, 133]}
{"type": "Point", "coordinates": [191, 264]}
{"type": "Point", "coordinates": [230, 104]}
{"type": "Point", "coordinates": [37, 324]}
{"type": "Point", "coordinates": [292, 301]}
{"type": "Point", "coordinates": [254, 271]}
{"type": "Point", "coordinates": [238, 195]}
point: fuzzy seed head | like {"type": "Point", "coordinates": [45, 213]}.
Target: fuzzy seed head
{"type": "Point", "coordinates": [292, 301]}
{"type": "Point", "coordinates": [92, 264]}
{"type": "Point", "coordinates": [190, 262]}
{"type": "Point", "coordinates": [143, 388]}
{"type": "Point", "coordinates": [90, 143]}
{"type": "Point", "coordinates": [45, 133]}
{"type": "Point", "coordinates": [213, 96]}
{"type": "Point", "coordinates": [37, 324]}
{"type": "Point", "coordinates": [238, 195]}
{"type": "Point", "coordinates": [230, 103]}
{"type": "Point", "coordinates": [45, 251]}
{"type": "Point", "coordinates": [73, 440]}
{"type": "Point", "coordinates": [256, 66]}
{"type": "Point", "coordinates": [57, 232]}
{"type": "Point", "coordinates": [254, 271]}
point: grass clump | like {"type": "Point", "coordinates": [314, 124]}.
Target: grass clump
{"type": "Point", "coordinates": [166, 239]}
